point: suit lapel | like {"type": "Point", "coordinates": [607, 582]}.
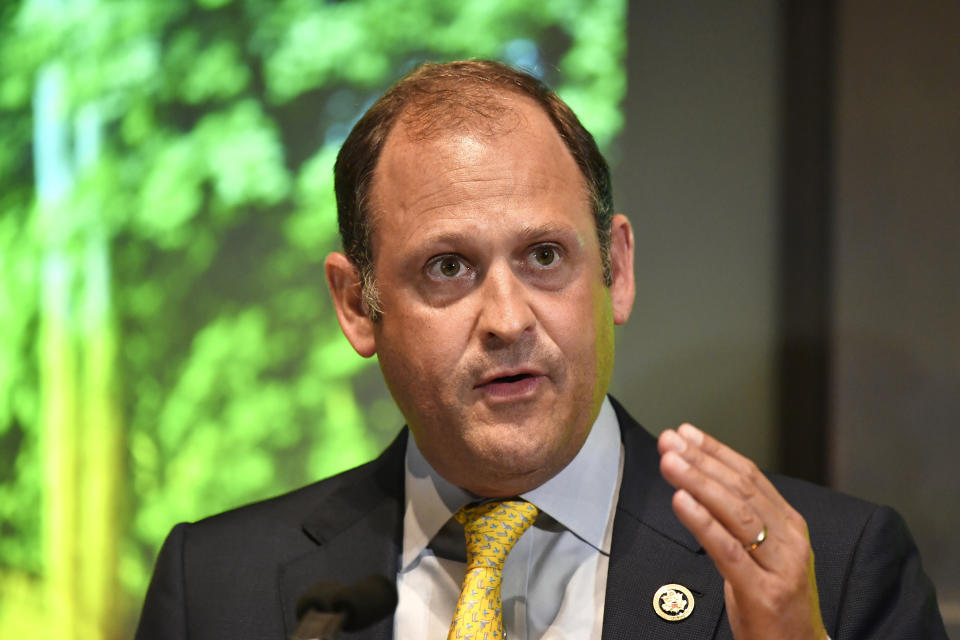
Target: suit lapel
{"type": "Point", "coordinates": [358, 533]}
{"type": "Point", "coordinates": [651, 548]}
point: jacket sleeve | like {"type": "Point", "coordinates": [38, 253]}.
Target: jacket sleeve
{"type": "Point", "coordinates": [886, 593]}
{"type": "Point", "coordinates": [164, 615]}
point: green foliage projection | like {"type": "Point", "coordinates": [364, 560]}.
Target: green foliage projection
{"type": "Point", "coordinates": [167, 346]}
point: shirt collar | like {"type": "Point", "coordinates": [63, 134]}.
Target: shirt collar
{"type": "Point", "coordinates": [580, 497]}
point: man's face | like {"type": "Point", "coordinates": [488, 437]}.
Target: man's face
{"type": "Point", "coordinates": [496, 338]}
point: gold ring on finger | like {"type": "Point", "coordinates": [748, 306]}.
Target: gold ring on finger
{"type": "Point", "coordinates": [753, 546]}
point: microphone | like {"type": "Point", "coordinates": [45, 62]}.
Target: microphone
{"type": "Point", "coordinates": [327, 607]}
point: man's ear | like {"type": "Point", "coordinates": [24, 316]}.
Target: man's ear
{"type": "Point", "coordinates": [344, 282]}
{"type": "Point", "coordinates": [622, 288]}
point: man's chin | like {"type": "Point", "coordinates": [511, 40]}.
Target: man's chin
{"type": "Point", "coordinates": [507, 465]}
{"type": "Point", "coordinates": [503, 482]}
{"type": "Point", "coordinates": [517, 414]}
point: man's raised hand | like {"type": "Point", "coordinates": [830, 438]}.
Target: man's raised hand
{"type": "Point", "coordinates": [757, 541]}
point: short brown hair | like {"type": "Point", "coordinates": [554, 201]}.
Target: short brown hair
{"type": "Point", "coordinates": [452, 91]}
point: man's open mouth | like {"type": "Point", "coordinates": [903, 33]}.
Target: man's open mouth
{"type": "Point", "coordinates": [514, 378]}
{"type": "Point", "coordinates": [512, 384]}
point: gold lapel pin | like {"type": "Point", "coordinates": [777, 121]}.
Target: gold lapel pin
{"type": "Point", "coordinates": [673, 602]}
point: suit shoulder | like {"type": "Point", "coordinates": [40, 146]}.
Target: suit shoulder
{"type": "Point", "coordinates": [280, 514]}
{"type": "Point", "coordinates": [835, 521]}
{"type": "Point", "coordinates": [870, 577]}
{"type": "Point", "coordinates": [820, 502]}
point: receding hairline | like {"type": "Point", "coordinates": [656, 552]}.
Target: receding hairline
{"type": "Point", "coordinates": [451, 103]}
{"type": "Point", "coordinates": [415, 125]}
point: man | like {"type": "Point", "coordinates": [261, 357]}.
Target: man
{"type": "Point", "coordinates": [485, 268]}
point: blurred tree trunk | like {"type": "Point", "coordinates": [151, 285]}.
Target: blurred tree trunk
{"type": "Point", "coordinates": [57, 353]}
{"type": "Point", "coordinates": [101, 449]}
{"type": "Point", "coordinates": [81, 429]}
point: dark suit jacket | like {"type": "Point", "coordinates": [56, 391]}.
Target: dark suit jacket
{"type": "Point", "coordinates": [239, 574]}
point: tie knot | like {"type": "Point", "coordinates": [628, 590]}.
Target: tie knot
{"type": "Point", "coordinates": [493, 528]}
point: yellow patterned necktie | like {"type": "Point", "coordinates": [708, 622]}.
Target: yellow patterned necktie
{"type": "Point", "coordinates": [491, 530]}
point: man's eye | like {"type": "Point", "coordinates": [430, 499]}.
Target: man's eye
{"type": "Point", "coordinates": [447, 267]}
{"type": "Point", "coordinates": [545, 256]}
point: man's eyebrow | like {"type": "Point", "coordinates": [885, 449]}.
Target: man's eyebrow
{"type": "Point", "coordinates": [445, 237]}
{"type": "Point", "coordinates": [542, 231]}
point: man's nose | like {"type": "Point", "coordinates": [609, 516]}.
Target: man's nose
{"type": "Point", "coordinates": [506, 312]}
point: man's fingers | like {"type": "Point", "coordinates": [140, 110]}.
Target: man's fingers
{"type": "Point", "coordinates": [726, 551]}
{"type": "Point", "coordinates": [733, 489]}
{"type": "Point", "coordinates": [738, 474]}
{"type": "Point", "coordinates": [739, 463]}
{"type": "Point", "coordinates": [739, 517]}
{"type": "Point", "coordinates": [740, 511]}
{"type": "Point", "coordinates": [743, 480]}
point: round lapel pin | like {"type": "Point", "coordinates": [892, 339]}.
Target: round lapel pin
{"type": "Point", "coordinates": [673, 602]}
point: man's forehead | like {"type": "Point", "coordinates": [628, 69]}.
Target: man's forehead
{"type": "Point", "coordinates": [463, 166]}
{"type": "Point", "coordinates": [464, 139]}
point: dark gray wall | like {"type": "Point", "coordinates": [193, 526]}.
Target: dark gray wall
{"type": "Point", "coordinates": [897, 272]}
{"type": "Point", "coordinates": [697, 177]}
